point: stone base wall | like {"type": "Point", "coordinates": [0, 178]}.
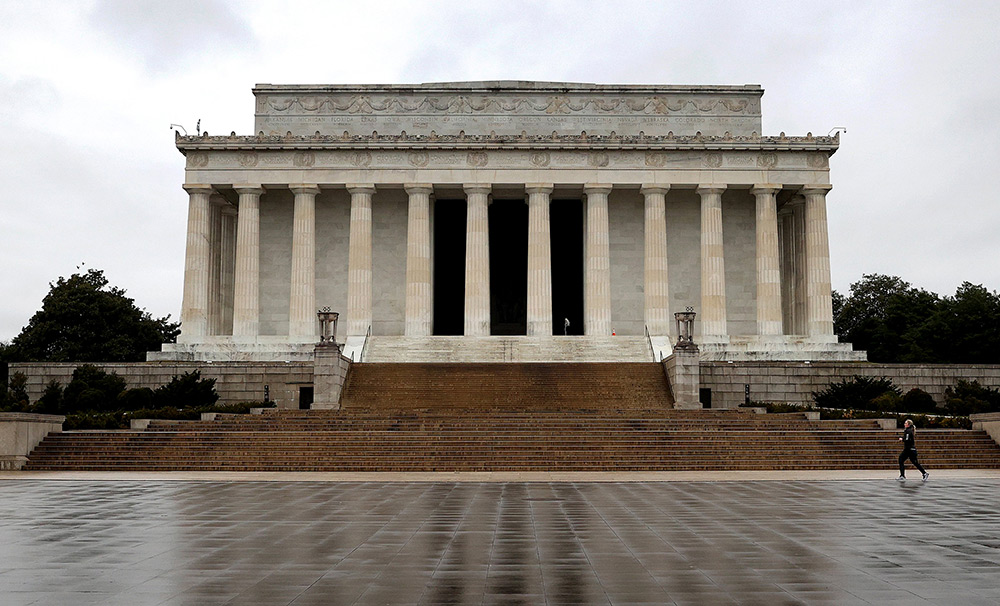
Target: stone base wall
{"type": "Point", "coordinates": [20, 433]}
{"type": "Point", "coordinates": [794, 382]}
{"type": "Point", "coordinates": [235, 381]}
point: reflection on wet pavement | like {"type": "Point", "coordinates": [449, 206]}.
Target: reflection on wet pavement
{"type": "Point", "coordinates": [792, 542]}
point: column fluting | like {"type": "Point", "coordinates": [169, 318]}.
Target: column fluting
{"type": "Point", "coordinates": [477, 261]}
{"type": "Point", "coordinates": [216, 204]}
{"type": "Point", "coordinates": [713, 266]}
{"type": "Point", "coordinates": [597, 265]}
{"type": "Point", "coordinates": [539, 311]}
{"type": "Point", "coordinates": [197, 258]}
{"type": "Point", "coordinates": [768, 267]}
{"type": "Point", "coordinates": [302, 291]}
{"type": "Point", "coordinates": [246, 282]}
{"type": "Point", "coordinates": [359, 261]}
{"type": "Point", "coordinates": [418, 260]}
{"type": "Point", "coordinates": [819, 299]}
{"type": "Point", "coordinates": [656, 287]}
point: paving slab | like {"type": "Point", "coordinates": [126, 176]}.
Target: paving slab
{"type": "Point", "coordinates": [112, 539]}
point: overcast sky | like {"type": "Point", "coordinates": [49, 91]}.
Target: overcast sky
{"type": "Point", "coordinates": [89, 173]}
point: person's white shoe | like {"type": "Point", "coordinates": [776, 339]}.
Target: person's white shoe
{"type": "Point", "coordinates": [926, 475]}
{"type": "Point", "coordinates": [901, 478]}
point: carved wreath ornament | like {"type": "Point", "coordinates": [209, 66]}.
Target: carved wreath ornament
{"type": "Point", "coordinates": [557, 104]}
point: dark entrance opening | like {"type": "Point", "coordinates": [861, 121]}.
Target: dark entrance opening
{"type": "Point", "coordinates": [449, 267]}
{"type": "Point", "coordinates": [508, 267]}
{"type": "Point", "coordinates": [305, 397]}
{"type": "Point", "coordinates": [566, 233]}
{"type": "Point", "coordinates": [705, 395]}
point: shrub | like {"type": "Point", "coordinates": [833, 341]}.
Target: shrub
{"type": "Point", "coordinates": [92, 419]}
{"type": "Point", "coordinates": [16, 393]}
{"type": "Point", "coordinates": [969, 397]}
{"type": "Point", "coordinates": [51, 401]}
{"type": "Point", "coordinates": [187, 390]}
{"type": "Point", "coordinates": [858, 392]}
{"type": "Point", "coordinates": [92, 389]}
{"type": "Point", "coordinates": [918, 400]}
{"type": "Point", "coordinates": [135, 398]}
{"type": "Point", "coordinates": [889, 401]}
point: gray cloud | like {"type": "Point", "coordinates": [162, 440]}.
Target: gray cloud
{"type": "Point", "coordinates": [171, 35]}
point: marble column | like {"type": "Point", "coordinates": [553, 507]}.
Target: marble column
{"type": "Point", "coordinates": [787, 246]}
{"type": "Point", "coordinates": [713, 267]}
{"type": "Point", "coordinates": [217, 203]}
{"type": "Point", "coordinates": [597, 264]}
{"type": "Point", "coordinates": [359, 261]}
{"type": "Point", "coordinates": [477, 261]}
{"type": "Point", "coordinates": [819, 300]}
{"type": "Point", "coordinates": [197, 258]}
{"type": "Point", "coordinates": [539, 260]}
{"type": "Point", "coordinates": [227, 272]}
{"type": "Point", "coordinates": [302, 293]}
{"type": "Point", "coordinates": [246, 282]}
{"type": "Point", "coordinates": [655, 277]}
{"type": "Point", "coordinates": [418, 260]}
{"type": "Point", "coordinates": [768, 266]}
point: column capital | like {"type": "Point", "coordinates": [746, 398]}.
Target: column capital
{"type": "Point", "coordinates": [478, 188]}
{"type": "Point", "coordinates": [810, 190]}
{"type": "Point", "coordinates": [653, 189]}
{"type": "Point", "coordinates": [304, 188]}
{"type": "Point", "coordinates": [704, 189]}
{"type": "Point", "coordinates": [361, 188]}
{"type": "Point", "coordinates": [597, 188]}
{"type": "Point", "coordinates": [249, 188]}
{"type": "Point", "coordinates": [198, 188]}
{"type": "Point", "coordinates": [765, 188]}
{"type": "Point", "coordinates": [538, 188]}
{"type": "Point", "coordinates": [419, 188]}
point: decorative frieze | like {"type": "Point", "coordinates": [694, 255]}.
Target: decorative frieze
{"type": "Point", "coordinates": [509, 159]}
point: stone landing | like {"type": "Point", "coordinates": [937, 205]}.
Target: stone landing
{"type": "Point", "coordinates": [508, 349]}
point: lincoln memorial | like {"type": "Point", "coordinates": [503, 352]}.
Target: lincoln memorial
{"type": "Point", "coordinates": [507, 221]}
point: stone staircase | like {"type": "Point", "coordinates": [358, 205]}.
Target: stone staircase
{"type": "Point", "coordinates": [506, 417]}
{"type": "Point", "coordinates": [509, 349]}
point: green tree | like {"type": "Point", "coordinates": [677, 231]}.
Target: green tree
{"type": "Point", "coordinates": [84, 320]}
{"type": "Point", "coordinates": [186, 390]}
{"type": "Point", "coordinates": [883, 315]}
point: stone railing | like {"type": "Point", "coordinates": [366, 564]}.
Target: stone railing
{"type": "Point", "coordinates": [20, 432]}
{"type": "Point", "coordinates": [988, 422]}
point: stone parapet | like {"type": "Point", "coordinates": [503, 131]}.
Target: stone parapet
{"type": "Point", "coordinates": [241, 381]}
{"type": "Point", "coordinates": [794, 382]}
{"type": "Point", "coordinates": [19, 434]}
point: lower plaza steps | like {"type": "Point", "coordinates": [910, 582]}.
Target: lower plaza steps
{"type": "Point", "coordinates": [506, 417]}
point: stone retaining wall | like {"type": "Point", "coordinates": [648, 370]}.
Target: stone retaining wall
{"type": "Point", "coordinates": [235, 381]}
{"type": "Point", "coordinates": [794, 382]}
{"type": "Point", "coordinates": [20, 432]}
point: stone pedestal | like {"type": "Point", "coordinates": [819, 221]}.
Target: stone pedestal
{"type": "Point", "coordinates": [683, 368]}
{"type": "Point", "coordinates": [329, 372]}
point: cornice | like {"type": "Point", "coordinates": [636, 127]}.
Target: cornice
{"type": "Point", "coordinates": [667, 142]}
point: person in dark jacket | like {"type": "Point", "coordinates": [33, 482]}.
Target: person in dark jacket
{"type": "Point", "coordinates": [909, 452]}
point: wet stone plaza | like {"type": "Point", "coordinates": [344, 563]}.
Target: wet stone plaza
{"type": "Point", "coordinates": [157, 542]}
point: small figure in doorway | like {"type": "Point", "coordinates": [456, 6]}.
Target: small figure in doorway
{"type": "Point", "coordinates": [565, 326]}
{"type": "Point", "coordinates": [909, 452]}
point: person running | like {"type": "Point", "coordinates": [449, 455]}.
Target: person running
{"type": "Point", "coordinates": [909, 452]}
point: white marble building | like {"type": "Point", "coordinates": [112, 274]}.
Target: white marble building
{"type": "Point", "coordinates": [474, 220]}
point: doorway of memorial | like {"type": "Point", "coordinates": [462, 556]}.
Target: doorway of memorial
{"type": "Point", "coordinates": [566, 236]}
{"type": "Point", "coordinates": [508, 267]}
{"type": "Point", "coordinates": [449, 267]}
